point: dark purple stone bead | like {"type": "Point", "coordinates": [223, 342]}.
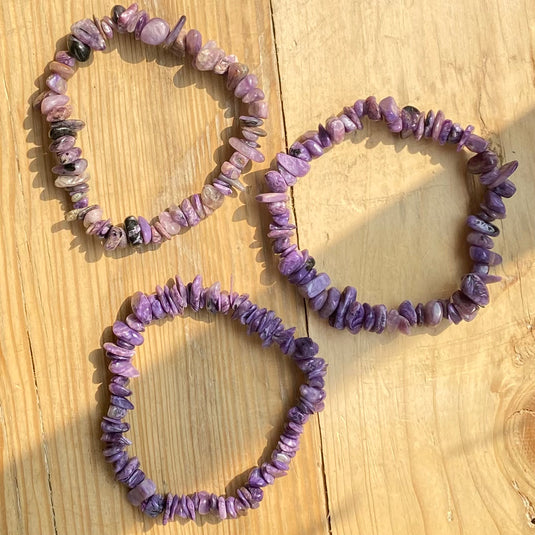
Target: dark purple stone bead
{"type": "Point", "coordinates": [484, 256]}
{"type": "Point", "coordinates": [243, 310]}
{"type": "Point", "coordinates": [380, 312]}
{"type": "Point", "coordinates": [370, 108]}
{"type": "Point", "coordinates": [305, 348]}
{"type": "Point", "coordinates": [273, 471]}
{"type": "Point", "coordinates": [112, 450]}
{"type": "Point", "coordinates": [118, 351]}
{"type": "Point", "coordinates": [120, 380]}
{"type": "Point", "coordinates": [142, 19]}
{"type": "Point", "coordinates": [437, 125]}
{"type": "Point", "coordinates": [133, 231]}
{"type": "Point", "coordinates": [280, 245]}
{"type": "Point", "coordinates": [154, 506]}
{"type": "Point", "coordinates": [230, 505]}
{"type": "Point", "coordinates": [308, 277]}
{"type": "Point", "coordinates": [369, 317]}
{"type": "Point", "coordinates": [244, 496]}
{"type": "Point", "coordinates": [359, 107]}
{"type": "Point", "coordinates": [69, 156]}
{"type": "Point", "coordinates": [113, 427]}
{"type": "Point", "coordinates": [475, 289]}
{"type": "Point", "coordinates": [190, 507]}
{"type": "Point", "coordinates": [298, 276]}
{"type": "Point", "coordinates": [419, 132]}
{"type": "Point", "coordinates": [256, 320]}
{"type": "Point", "coordinates": [455, 134]}
{"type": "Point", "coordinates": [294, 428]}
{"type": "Point", "coordinates": [317, 302]}
{"type": "Point", "coordinates": [476, 143]}
{"type": "Point", "coordinates": [129, 468]}
{"type": "Point", "coordinates": [256, 479]}
{"type": "Point", "coordinates": [120, 463]}
{"type": "Point", "coordinates": [447, 125]}
{"type": "Point", "coordinates": [492, 215]}
{"type": "Point", "coordinates": [496, 177]}
{"type": "Point", "coordinates": [333, 298]}
{"type": "Point", "coordinates": [480, 240]}
{"type": "Point", "coordinates": [121, 402]}
{"type": "Point", "coordinates": [297, 416]}
{"type": "Point", "coordinates": [142, 492]}
{"type": "Point", "coordinates": [494, 202]}
{"type": "Point", "coordinates": [507, 189]}
{"type": "Point", "coordinates": [269, 330]}
{"type": "Point", "coordinates": [276, 182]}
{"type": "Point", "coordinates": [116, 12]}
{"type": "Point", "coordinates": [482, 162]}
{"type": "Point", "coordinates": [315, 286]}
{"type": "Point", "coordinates": [348, 296]}
{"type": "Point", "coordinates": [406, 310]}
{"type": "Point", "coordinates": [174, 506]}
{"type": "Point", "coordinates": [485, 216]}
{"type": "Point", "coordinates": [119, 390]}
{"type": "Point", "coordinates": [291, 263]}
{"type": "Point", "coordinates": [62, 144]}
{"type": "Point", "coordinates": [465, 307]}
{"type": "Point", "coordinates": [312, 395]}
{"type": "Point", "coordinates": [293, 165]}
{"type": "Point", "coordinates": [141, 307]}
{"type": "Point", "coordinates": [314, 148]}
{"type": "Point", "coordinates": [121, 456]}
{"type": "Point", "coordinates": [354, 317]}
{"type": "Point", "coordinates": [173, 309]}
{"type": "Point", "coordinates": [349, 125]}
{"type": "Point", "coordinates": [298, 150]}
{"type": "Point", "coordinates": [123, 331]}
{"type": "Point", "coordinates": [156, 307]}
{"type": "Point", "coordinates": [87, 32]}
{"type": "Point", "coordinates": [453, 314]}
{"type": "Point", "coordinates": [353, 117]}
{"type": "Point", "coordinates": [123, 344]}
{"type": "Point", "coordinates": [81, 204]}
{"type": "Point", "coordinates": [324, 137]}
{"type": "Point", "coordinates": [135, 479]}
{"type": "Point", "coordinates": [419, 314]}
{"type": "Point", "coordinates": [115, 438]}
{"type": "Point", "coordinates": [428, 124]}
{"type": "Point", "coordinates": [433, 313]}
{"type": "Point", "coordinates": [391, 114]}
{"type": "Point", "coordinates": [479, 225]}
{"type": "Point", "coordinates": [409, 120]}
{"type": "Point", "coordinates": [78, 50]}
{"type": "Point", "coordinates": [480, 269]}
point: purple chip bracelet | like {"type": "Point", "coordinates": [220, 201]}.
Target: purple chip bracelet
{"type": "Point", "coordinates": [341, 308]}
{"type": "Point", "coordinates": [171, 301]}
{"type": "Point", "coordinates": [71, 171]}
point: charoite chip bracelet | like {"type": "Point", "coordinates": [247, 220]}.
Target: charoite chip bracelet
{"type": "Point", "coordinates": [71, 170]}
{"type": "Point", "coordinates": [171, 301]}
{"type": "Point", "coordinates": [341, 307]}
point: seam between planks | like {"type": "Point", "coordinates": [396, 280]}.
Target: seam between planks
{"type": "Point", "coordinates": [305, 308]}
{"type": "Point", "coordinates": [32, 359]}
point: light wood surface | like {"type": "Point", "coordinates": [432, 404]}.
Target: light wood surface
{"type": "Point", "coordinates": [428, 434]}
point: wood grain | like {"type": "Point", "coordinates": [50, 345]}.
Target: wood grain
{"type": "Point", "coordinates": [427, 434]}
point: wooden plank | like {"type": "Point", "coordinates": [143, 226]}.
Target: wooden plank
{"type": "Point", "coordinates": [421, 434]}
{"type": "Point", "coordinates": [210, 401]}
{"type": "Point", "coordinates": [427, 434]}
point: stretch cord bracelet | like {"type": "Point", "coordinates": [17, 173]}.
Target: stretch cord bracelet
{"type": "Point", "coordinates": [72, 172]}
{"type": "Point", "coordinates": [341, 308]}
{"type": "Point", "coordinates": [171, 301]}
